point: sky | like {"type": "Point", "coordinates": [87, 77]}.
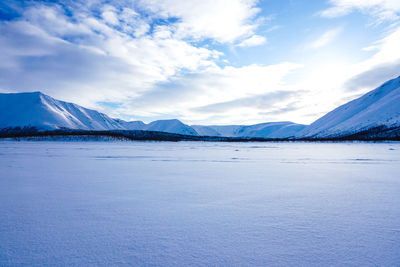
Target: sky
{"type": "Point", "coordinates": [201, 61]}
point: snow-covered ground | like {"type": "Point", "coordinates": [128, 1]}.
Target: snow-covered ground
{"type": "Point", "coordinates": [180, 204]}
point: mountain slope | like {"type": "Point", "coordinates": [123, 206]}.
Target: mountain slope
{"type": "Point", "coordinates": [217, 130]}
{"type": "Point", "coordinates": [132, 125]}
{"type": "Point", "coordinates": [44, 112]}
{"type": "Point", "coordinates": [283, 129]}
{"type": "Point", "coordinates": [205, 130]}
{"type": "Point", "coordinates": [377, 108]}
{"type": "Point", "coordinates": [170, 126]}
{"type": "Point", "coordinates": [263, 130]}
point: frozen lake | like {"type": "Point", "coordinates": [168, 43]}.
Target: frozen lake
{"type": "Point", "coordinates": [195, 203]}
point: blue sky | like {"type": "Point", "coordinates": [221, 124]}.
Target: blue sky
{"type": "Point", "coordinates": [203, 62]}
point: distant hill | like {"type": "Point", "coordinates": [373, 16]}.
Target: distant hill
{"type": "Point", "coordinates": [263, 130]}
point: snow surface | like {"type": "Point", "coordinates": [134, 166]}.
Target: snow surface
{"type": "Point", "coordinates": [380, 107]}
{"type": "Point", "coordinates": [203, 204]}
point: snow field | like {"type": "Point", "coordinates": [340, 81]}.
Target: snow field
{"type": "Point", "coordinates": [195, 203]}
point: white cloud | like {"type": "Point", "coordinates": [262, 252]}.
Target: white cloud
{"type": "Point", "coordinates": [381, 9]}
{"type": "Point", "coordinates": [326, 38]}
{"type": "Point", "coordinates": [255, 40]}
{"type": "Point", "coordinates": [158, 70]}
{"type": "Point", "coordinates": [331, 83]}
{"type": "Point", "coordinates": [109, 15]}
{"type": "Point", "coordinates": [111, 54]}
{"type": "Point", "coordinates": [65, 49]}
{"type": "Point", "coordinates": [381, 66]}
{"type": "Point", "coordinates": [213, 86]}
{"type": "Point", "coordinates": [222, 20]}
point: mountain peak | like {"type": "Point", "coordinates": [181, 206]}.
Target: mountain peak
{"type": "Point", "coordinates": [36, 93]}
{"type": "Point", "coordinates": [168, 120]}
{"type": "Point", "coordinates": [35, 109]}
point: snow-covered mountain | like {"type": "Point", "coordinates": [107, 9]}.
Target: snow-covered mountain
{"type": "Point", "coordinates": [377, 108]}
{"type": "Point", "coordinates": [271, 130]}
{"type": "Point", "coordinates": [206, 130]}
{"type": "Point", "coordinates": [217, 130]}
{"type": "Point", "coordinates": [44, 112]}
{"type": "Point", "coordinates": [132, 125]}
{"type": "Point", "coordinates": [283, 129]}
{"type": "Point", "coordinates": [170, 126]}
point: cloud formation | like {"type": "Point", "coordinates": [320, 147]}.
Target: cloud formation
{"type": "Point", "coordinates": [326, 38]}
{"type": "Point", "coordinates": [221, 20]}
{"type": "Point", "coordinates": [373, 77]}
{"type": "Point", "coordinates": [380, 9]}
{"type": "Point", "coordinates": [142, 58]}
{"type": "Point", "coordinates": [253, 41]}
{"type": "Point", "coordinates": [383, 65]}
{"type": "Point", "coordinates": [261, 102]}
{"type": "Point", "coordinates": [153, 59]}
{"type": "Point", "coordinates": [193, 92]}
{"type": "Point", "coordinates": [113, 50]}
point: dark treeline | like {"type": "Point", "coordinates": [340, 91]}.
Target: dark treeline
{"type": "Point", "coordinates": [25, 132]}
{"type": "Point", "coordinates": [374, 134]}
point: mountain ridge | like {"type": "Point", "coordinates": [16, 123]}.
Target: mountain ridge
{"type": "Point", "coordinates": [35, 109]}
{"type": "Point", "coordinates": [376, 112]}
